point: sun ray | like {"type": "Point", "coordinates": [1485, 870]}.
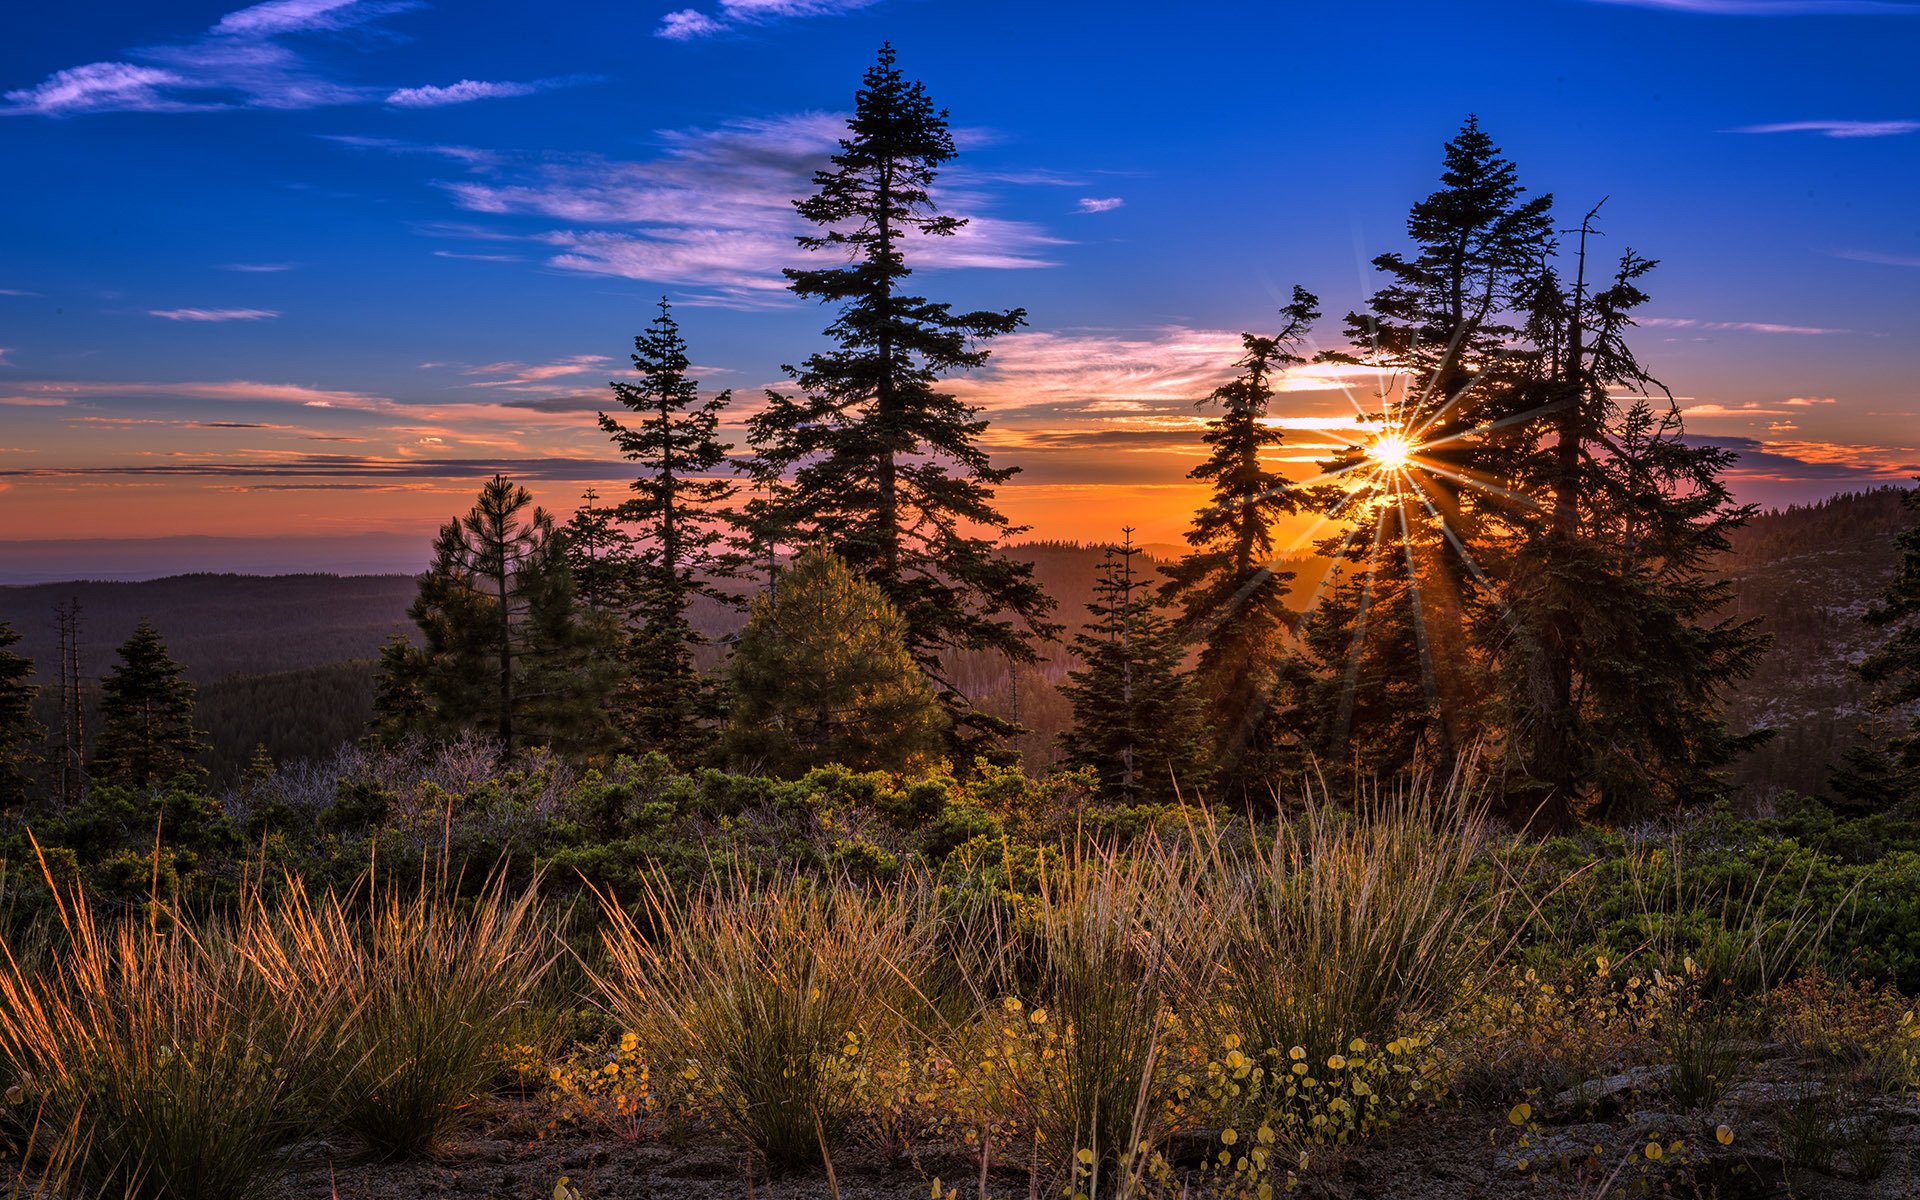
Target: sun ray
{"type": "Point", "coordinates": [1420, 430]}
{"type": "Point", "coordinates": [1350, 683]}
{"type": "Point", "coordinates": [1429, 683]}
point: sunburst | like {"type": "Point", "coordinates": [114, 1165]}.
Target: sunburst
{"type": "Point", "coordinates": [1391, 451]}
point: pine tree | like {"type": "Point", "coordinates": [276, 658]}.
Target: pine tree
{"type": "Point", "coordinates": [884, 467]}
{"type": "Point", "coordinates": [1890, 772]}
{"type": "Point", "coordinates": [822, 674]}
{"type": "Point", "coordinates": [678, 541]}
{"type": "Point", "coordinates": [600, 555]}
{"type": "Point", "coordinates": [147, 735]}
{"type": "Point", "coordinates": [1355, 691]}
{"type": "Point", "coordinates": [1446, 320]}
{"type": "Point", "coordinates": [1612, 659]}
{"type": "Point", "coordinates": [1136, 720]}
{"type": "Point", "coordinates": [506, 649]}
{"type": "Point", "coordinates": [1231, 597]}
{"type": "Point", "coordinates": [20, 732]}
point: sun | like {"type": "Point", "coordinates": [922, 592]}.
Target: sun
{"type": "Point", "coordinates": [1390, 451]}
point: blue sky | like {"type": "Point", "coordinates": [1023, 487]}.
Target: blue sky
{"type": "Point", "coordinates": [317, 265]}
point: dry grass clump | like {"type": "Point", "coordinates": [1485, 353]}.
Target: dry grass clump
{"type": "Point", "coordinates": [418, 994]}
{"type": "Point", "coordinates": [156, 1061]}
{"type": "Point", "coordinates": [1123, 942]}
{"type": "Point", "coordinates": [1353, 924]}
{"type": "Point", "coordinates": [757, 1003]}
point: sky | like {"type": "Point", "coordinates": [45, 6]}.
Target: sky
{"type": "Point", "coordinates": [315, 268]}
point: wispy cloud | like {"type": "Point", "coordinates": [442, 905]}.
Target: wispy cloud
{"type": "Point", "coordinates": [243, 61]}
{"type": "Point", "coordinates": [519, 375]}
{"type": "Point", "coordinates": [213, 314]}
{"type": "Point", "coordinates": [1776, 461]}
{"type": "Point", "coordinates": [16, 292]}
{"type": "Point", "coordinates": [252, 58]}
{"type": "Point", "coordinates": [1061, 399]}
{"type": "Point", "coordinates": [469, 155]}
{"type": "Point", "coordinates": [1091, 204]}
{"type": "Point", "coordinates": [1778, 8]}
{"type": "Point", "coordinates": [468, 90]}
{"type": "Point", "coordinates": [1733, 326]}
{"type": "Point", "coordinates": [1836, 129]}
{"type": "Point", "coordinates": [268, 268]}
{"type": "Point", "coordinates": [713, 209]}
{"type": "Point", "coordinates": [1885, 260]}
{"type": "Point", "coordinates": [347, 466]}
{"type": "Point", "coordinates": [689, 23]}
{"type": "Point", "coordinates": [497, 258]}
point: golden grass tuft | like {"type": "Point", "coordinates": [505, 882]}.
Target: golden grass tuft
{"type": "Point", "coordinates": [754, 1001]}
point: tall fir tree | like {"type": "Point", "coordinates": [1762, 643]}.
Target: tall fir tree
{"type": "Point", "coordinates": [884, 467]}
{"type": "Point", "coordinates": [679, 544]}
{"type": "Point", "coordinates": [1446, 321]}
{"type": "Point", "coordinates": [506, 649]}
{"type": "Point", "coordinates": [147, 735]}
{"type": "Point", "coordinates": [823, 674]}
{"type": "Point", "coordinates": [1608, 647]}
{"type": "Point", "coordinates": [1136, 716]}
{"type": "Point", "coordinates": [20, 731]}
{"type": "Point", "coordinates": [1230, 594]}
{"type": "Point", "coordinates": [1886, 770]}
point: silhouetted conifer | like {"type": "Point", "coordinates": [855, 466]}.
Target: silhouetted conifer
{"type": "Point", "coordinates": [506, 649]}
{"type": "Point", "coordinates": [20, 732]}
{"type": "Point", "coordinates": [672, 544]}
{"type": "Point", "coordinates": [1230, 592]}
{"type": "Point", "coordinates": [1888, 769]}
{"type": "Point", "coordinates": [885, 468]}
{"type": "Point", "coordinates": [1136, 718]}
{"type": "Point", "coordinates": [147, 734]}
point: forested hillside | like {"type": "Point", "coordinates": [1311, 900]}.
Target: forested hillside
{"type": "Point", "coordinates": [287, 661]}
{"type": "Point", "coordinates": [1810, 573]}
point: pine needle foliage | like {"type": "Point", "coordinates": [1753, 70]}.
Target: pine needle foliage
{"type": "Point", "coordinates": [505, 648]}
{"type": "Point", "coordinates": [673, 542]}
{"type": "Point", "coordinates": [147, 735]}
{"type": "Point", "coordinates": [1136, 717]}
{"type": "Point", "coordinates": [822, 674]}
{"type": "Point", "coordinates": [871, 458]}
{"type": "Point", "coordinates": [1229, 593]}
{"type": "Point", "coordinates": [1893, 668]}
{"type": "Point", "coordinates": [20, 731]}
